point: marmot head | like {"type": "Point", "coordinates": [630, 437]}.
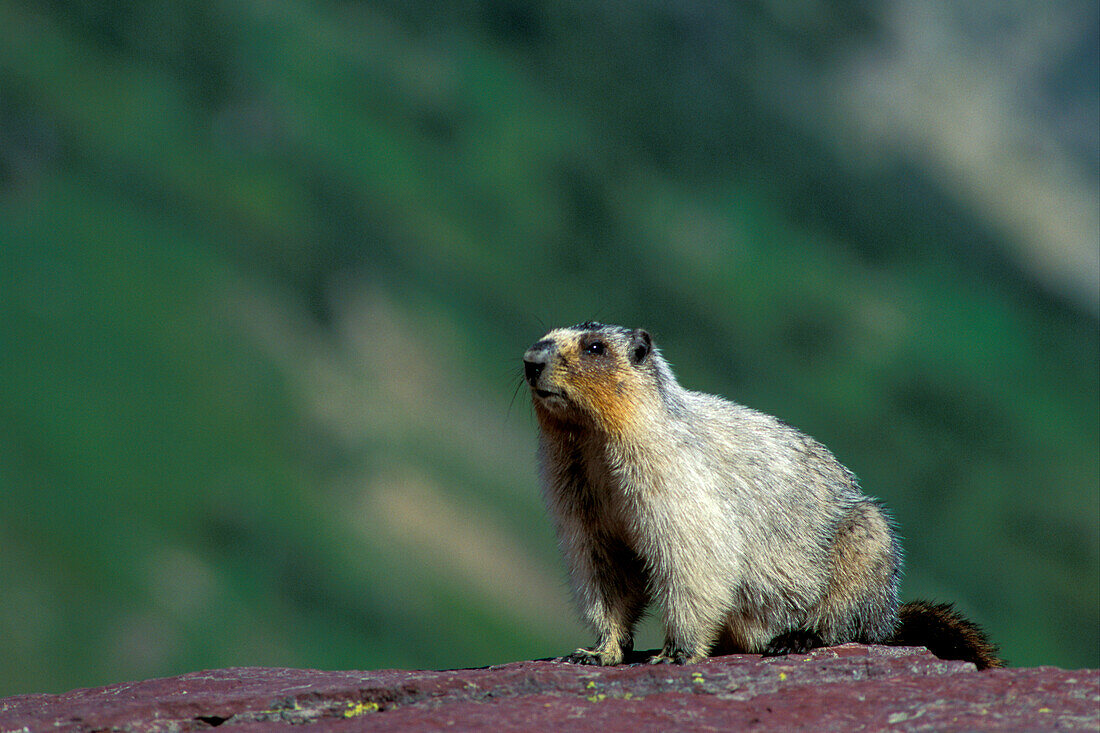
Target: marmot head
{"type": "Point", "coordinates": [591, 375]}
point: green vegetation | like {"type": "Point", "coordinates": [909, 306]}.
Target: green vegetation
{"type": "Point", "coordinates": [267, 269]}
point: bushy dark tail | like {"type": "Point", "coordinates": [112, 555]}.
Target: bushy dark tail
{"type": "Point", "coordinates": [945, 632]}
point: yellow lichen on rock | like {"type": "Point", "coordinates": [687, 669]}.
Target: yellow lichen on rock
{"type": "Point", "coordinates": [355, 709]}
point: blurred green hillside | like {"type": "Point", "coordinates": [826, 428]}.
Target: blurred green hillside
{"type": "Point", "coordinates": [267, 270]}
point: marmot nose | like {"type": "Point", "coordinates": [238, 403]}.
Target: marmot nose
{"type": "Point", "coordinates": [532, 370]}
{"type": "Point", "coordinates": [536, 359]}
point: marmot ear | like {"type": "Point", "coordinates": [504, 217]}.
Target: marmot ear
{"type": "Point", "coordinates": [640, 346]}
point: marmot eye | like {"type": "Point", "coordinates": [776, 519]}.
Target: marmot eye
{"type": "Point", "coordinates": [596, 348]}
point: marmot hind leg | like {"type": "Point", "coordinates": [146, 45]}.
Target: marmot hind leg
{"type": "Point", "coordinates": [860, 601]}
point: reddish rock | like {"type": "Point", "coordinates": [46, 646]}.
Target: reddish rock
{"type": "Point", "coordinates": [846, 688]}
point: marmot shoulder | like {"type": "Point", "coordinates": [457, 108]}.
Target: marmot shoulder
{"type": "Point", "coordinates": [749, 534]}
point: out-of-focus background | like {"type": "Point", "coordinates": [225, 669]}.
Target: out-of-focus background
{"type": "Point", "coordinates": [267, 270]}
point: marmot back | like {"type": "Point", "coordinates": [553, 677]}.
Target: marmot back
{"type": "Point", "coordinates": [750, 535]}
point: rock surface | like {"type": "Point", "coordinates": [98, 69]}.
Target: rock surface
{"type": "Point", "coordinates": [847, 688]}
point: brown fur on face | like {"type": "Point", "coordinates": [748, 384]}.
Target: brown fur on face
{"type": "Point", "coordinates": [600, 391]}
